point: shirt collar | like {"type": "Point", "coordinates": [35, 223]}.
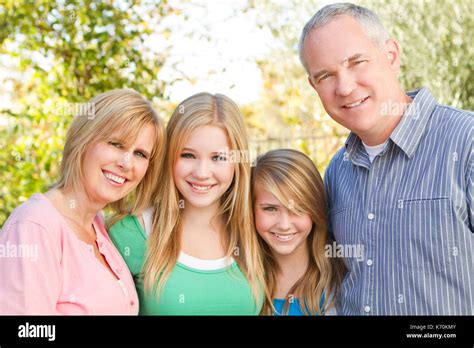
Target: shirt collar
{"type": "Point", "coordinates": [407, 135]}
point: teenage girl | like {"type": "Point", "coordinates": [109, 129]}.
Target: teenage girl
{"type": "Point", "coordinates": [290, 218]}
{"type": "Point", "coordinates": [195, 252]}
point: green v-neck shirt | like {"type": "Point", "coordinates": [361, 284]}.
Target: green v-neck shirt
{"type": "Point", "coordinates": [188, 290]}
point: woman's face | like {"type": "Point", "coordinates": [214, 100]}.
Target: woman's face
{"type": "Point", "coordinates": [202, 172]}
{"type": "Point", "coordinates": [284, 231]}
{"type": "Point", "coordinates": [113, 169]}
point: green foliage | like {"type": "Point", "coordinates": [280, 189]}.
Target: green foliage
{"type": "Point", "coordinates": [436, 39]}
{"type": "Point", "coordinates": [64, 53]}
{"type": "Point", "coordinates": [288, 103]}
{"type": "Point", "coordinates": [54, 53]}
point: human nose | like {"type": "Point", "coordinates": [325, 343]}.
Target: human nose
{"type": "Point", "coordinates": [125, 161]}
{"type": "Point", "coordinates": [345, 84]}
{"type": "Point", "coordinates": [202, 170]}
{"type": "Point", "coordinates": [284, 222]}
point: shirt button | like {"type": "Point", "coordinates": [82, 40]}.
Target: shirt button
{"type": "Point", "coordinates": [367, 309]}
{"type": "Point", "coordinates": [132, 303]}
{"type": "Point", "coordinates": [370, 262]}
{"type": "Point", "coordinates": [119, 271]}
{"type": "Point", "coordinates": [371, 216]}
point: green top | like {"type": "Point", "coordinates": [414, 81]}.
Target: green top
{"type": "Point", "coordinates": [188, 290]}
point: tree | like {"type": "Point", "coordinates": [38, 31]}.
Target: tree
{"type": "Point", "coordinates": [436, 38]}
{"type": "Point", "coordinates": [288, 103]}
{"type": "Point", "coordinates": [56, 55]}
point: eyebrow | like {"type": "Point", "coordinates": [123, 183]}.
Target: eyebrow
{"type": "Point", "coordinates": [354, 57]}
{"type": "Point", "coordinates": [127, 144]}
{"type": "Point", "coordinates": [212, 153]}
{"type": "Point", "coordinates": [350, 60]}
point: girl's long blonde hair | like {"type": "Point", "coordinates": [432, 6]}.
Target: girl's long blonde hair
{"type": "Point", "coordinates": [293, 178]}
{"type": "Point", "coordinates": [235, 209]}
{"type": "Point", "coordinates": [122, 113]}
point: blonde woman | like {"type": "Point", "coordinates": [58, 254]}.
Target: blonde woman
{"type": "Point", "coordinates": [111, 156]}
{"type": "Point", "coordinates": [195, 252]}
{"type": "Point", "coordinates": [290, 218]}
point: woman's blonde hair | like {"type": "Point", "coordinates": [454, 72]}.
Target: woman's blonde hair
{"type": "Point", "coordinates": [120, 113]}
{"type": "Point", "coordinates": [235, 209]}
{"type": "Point", "coordinates": [293, 178]}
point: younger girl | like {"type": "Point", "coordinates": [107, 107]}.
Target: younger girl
{"type": "Point", "coordinates": [290, 218]}
{"type": "Point", "coordinates": [195, 252]}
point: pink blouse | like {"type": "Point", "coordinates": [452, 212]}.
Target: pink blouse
{"type": "Point", "coordinates": [46, 269]}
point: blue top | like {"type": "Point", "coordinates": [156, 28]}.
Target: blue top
{"type": "Point", "coordinates": [405, 221]}
{"type": "Point", "coordinates": [294, 308]}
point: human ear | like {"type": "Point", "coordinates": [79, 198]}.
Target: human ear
{"type": "Point", "coordinates": [310, 80]}
{"type": "Point", "coordinates": [392, 52]}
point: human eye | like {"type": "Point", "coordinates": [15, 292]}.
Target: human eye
{"type": "Point", "coordinates": [357, 62]}
{"type": "Point", "coordinates": [116, 144]}
{"type": "Point", "coordinates": [323, 77]}
{"type": "Point", "coordinates": [220, 157]}
{"type": "Point", "coordinates": [140, 154]}
{"type": "Point", "coordinates": [187, 155]}
{"type": "Point", "coordinates": [299, 212]}
{"type": "Point", "coordinates": [270, 209]}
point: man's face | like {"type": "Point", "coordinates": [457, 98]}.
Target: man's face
{"type": "Point", "coordinates": [352, 76]}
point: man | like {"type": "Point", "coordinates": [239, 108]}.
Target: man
{"type": "Point", "coordinates": [402, 186]}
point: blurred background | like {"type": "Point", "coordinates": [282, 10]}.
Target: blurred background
{"type": "Point", "coordinates": [56, 54]}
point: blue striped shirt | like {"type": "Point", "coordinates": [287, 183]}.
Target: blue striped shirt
{"type": "Point", "coordinates": [411, 213]}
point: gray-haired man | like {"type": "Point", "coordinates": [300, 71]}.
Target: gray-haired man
{"type": "Point", "coordinates": [402, 186]}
